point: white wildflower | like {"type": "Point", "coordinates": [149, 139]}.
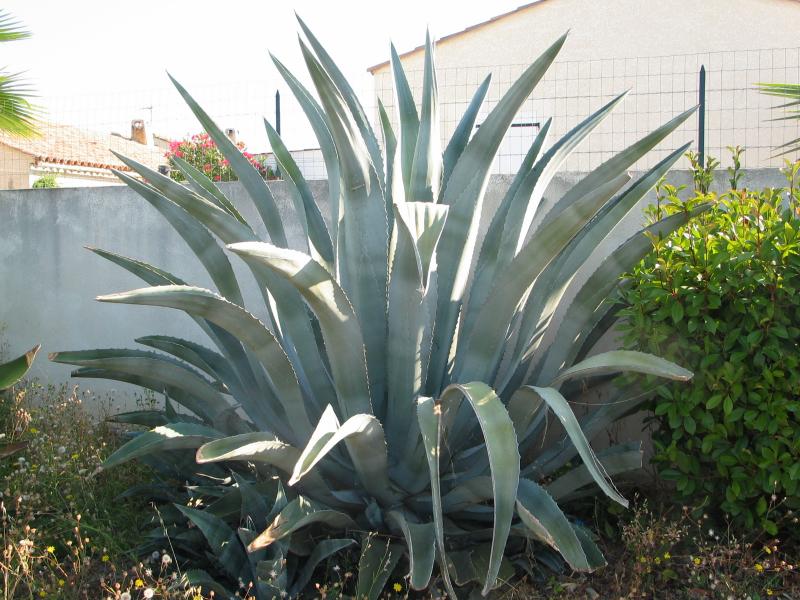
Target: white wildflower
{"type": "Point", "coordinates": [125, 596]}
{"type": "Point", "coordinates": [148, 593]}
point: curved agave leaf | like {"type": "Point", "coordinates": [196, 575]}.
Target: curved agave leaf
{"type": "Point", "coordinates": [421, 543]}
{"type": "Point", "coordinates": [337, 319]}
{"type": "Point", "coordinates": [174, 436]}
{"type": "Point", "coordinates": [254, 447]}
{"type": "Point", "coordinates": [394, 182]}
{"type": "Point", "coordinates": [501, 445]}
{"type": "Point", "coordinates": [542, 516]}
{"type": "Point", "coordinates": [366, 445]}
{"type": "Point", "coordinates": [14, 370]}
{"type": "Point", "coordinates": [299, 513]}
{"type": "Point", "coordinates": [255, 336]}
{"type": "Point", "coordinates": [615, 460]}
{"type": "Point", "coordinates": [562, 410]}
{"type": "Point", "coordinates": [616, 361]}
{"type": "Point", "coordinates": [205, 400]}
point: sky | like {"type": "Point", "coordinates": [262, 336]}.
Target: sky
{"type": "Point", "coordinates": [98, 64]}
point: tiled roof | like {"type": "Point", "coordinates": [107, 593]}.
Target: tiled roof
{"type": "Point", "coordinates": [68, 145]}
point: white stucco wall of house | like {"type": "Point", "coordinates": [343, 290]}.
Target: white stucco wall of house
{"type": "Point", "coordinates": [653, 47]}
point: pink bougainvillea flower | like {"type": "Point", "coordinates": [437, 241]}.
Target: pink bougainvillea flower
{"type": "Point", "coordinates": [207, 168]}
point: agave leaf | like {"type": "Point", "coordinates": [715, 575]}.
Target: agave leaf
{"type": "Point", "coordinates": [250, 177]}
{"type": "Point", "coordinates": [210, 362]}
{"type": "Point", "coordinates": [366, 445]}
{"type": "Point", "coordinates": [207, 402]}
{"type": "Point", "coordinates": [501, 445]}
{"type": "Point", "coordinates": [253, 447]}
{"type": "Point", "coordinates": [313, 112]}
{"type": "Point", "coordinates": [485, 345]}
{"type": "Point", "coordinates": [615, 460]}
{"type": "Point", "coordinates": [524, 405]}
{"type": "Point", "coordinates": [283, 304]}
{"type": "Point", "coordinates": [362, 263]}
{"type": "Point", "coordinates": [428, 416]}
{"type": "Point", "coordinates": [337, 318]}
{"type": "Point", "coordinates": [463, 131]}
{"type": "Point", "coordinates": [421, 543]}
{"type": "Point", "coordinates": [299, 513]}
{"type": "Point", "coordinates": [206, 188]}
{"type": "Point", "coordinates": [304, 203]}
{"type": "Point", "coordinates": [14, 370]}
{"type": "Point", "coordinates": [223, 540]}
{"type": "Point", "coordinates": [173, 436]}
{"type": "Point", "coordinates": [407, 117]}
{"type": "Point", "coordinates": [471, 492]}
{"type": "Point", "coordinates": [464, 194]}
{"type": "Point", "coordinates": [7, 450]}
{"type": "Point", "coordinates": [322, 551]}
{"type": "Point", "coordinates": [201, 579]}
{"type": "Point", "coordinates": [426, 169]}
{"type": "Point", "coordinates": [254, 335]}
{"type": "Point", "coordinates": [596, 421]}
{"type": "Point", "coordinates": [487, 265]}
{"type": "Point", "coordinates": [348, 96]}
{"type": "Point", "coordinates": [562, 410]}
{"type": "Point", "coordinates": [520, 214]}
{"type": "Point", "coordinates": [586, 308]}
{"type": "Point", "coordinates": [394, 182]}
{"type": "Point", "coordinates": [378, 559]}
{"type": "Point", "coordinates": [616, 361]}
{"type": "Point", "coordinates": [416, 224]}
{"type": "Point", "coordinates": [546, 293]}
{"type": "Point", "coordinates": [254, 508]}
{"type": "Point", "coordinates": [147, 418]}
{"type": "Point", "coordinates": [542, 516]}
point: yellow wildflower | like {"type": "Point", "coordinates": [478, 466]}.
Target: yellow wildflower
{"type": "Point", "coordinates": [75, 456]}
{"type": "Point", "coordinates": [667, 555]}
{"type": "Point", "coordinates": [33, 430]}
{"type": "Point", "coordinates": [767, 549]}
{"type": "Point", "coordinates": [42, 593]}
{"type": "Point", "coordinates": [138, 583]}
{"type": "Point", "coordinates": [769, 592]}
{"type": "Point", "coordinates": [61, 583]}
{"type": "Point", "coordinates": [104, 558]}
{"type": "Point", "coordinates": [397, 587]}
{"type": "Point", "coordinates": [696, 561]}
{"type": "Point", "coordinates": [759, 568]}
{"type": "Point", "coordinates": [657, 560]}
{"type": "Point", "coordinates": [51, 549]}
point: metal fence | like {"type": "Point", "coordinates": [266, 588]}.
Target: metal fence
{"type": "Point", "coordinates": [78, 131]}
{"type": "Point", "coordinates": [659, 87]}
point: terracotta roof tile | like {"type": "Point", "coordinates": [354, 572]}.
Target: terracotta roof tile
{"type": "Point", "coordinates": [68, 145]}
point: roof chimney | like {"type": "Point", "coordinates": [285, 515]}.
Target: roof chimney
{"type": "Point", "coordinates": [138, 133]}
{"type": "Point", "coordinates": [232, 134]}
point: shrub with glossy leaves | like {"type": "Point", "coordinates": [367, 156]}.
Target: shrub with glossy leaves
{"type": "Point", "coordinates": [721, 295]}
{"type": "Point", "coordinates": [375, 394]}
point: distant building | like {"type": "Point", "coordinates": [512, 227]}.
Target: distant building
{"type": "Point", "coordinates": [78, 158]}
{"type": "Point", "coordinates": [655, 48]}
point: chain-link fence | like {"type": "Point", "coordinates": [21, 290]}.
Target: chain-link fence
{"type": "Point", "coordinates": [78, 131]}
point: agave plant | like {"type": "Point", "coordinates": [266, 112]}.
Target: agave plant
{"type": "Point", "coordinates": [400, 380]}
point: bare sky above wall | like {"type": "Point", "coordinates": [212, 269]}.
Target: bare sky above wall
{"type": "Point", "coordinates": [98, 63]}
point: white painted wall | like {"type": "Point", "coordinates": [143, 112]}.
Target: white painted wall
{"type": "Point", "coordinates": [653, 47]}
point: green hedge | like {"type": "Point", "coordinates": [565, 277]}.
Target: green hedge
{"type": "Point", "coordinates": [722, 297]}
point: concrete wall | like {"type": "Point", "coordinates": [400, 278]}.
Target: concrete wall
{"type": "Point", "coordinates": [48, 280]}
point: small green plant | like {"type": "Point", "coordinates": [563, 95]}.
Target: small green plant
{"type": "Point", "coordinates": [48, 181]}
{"type": "Point", "coordinates": [721, 294]}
